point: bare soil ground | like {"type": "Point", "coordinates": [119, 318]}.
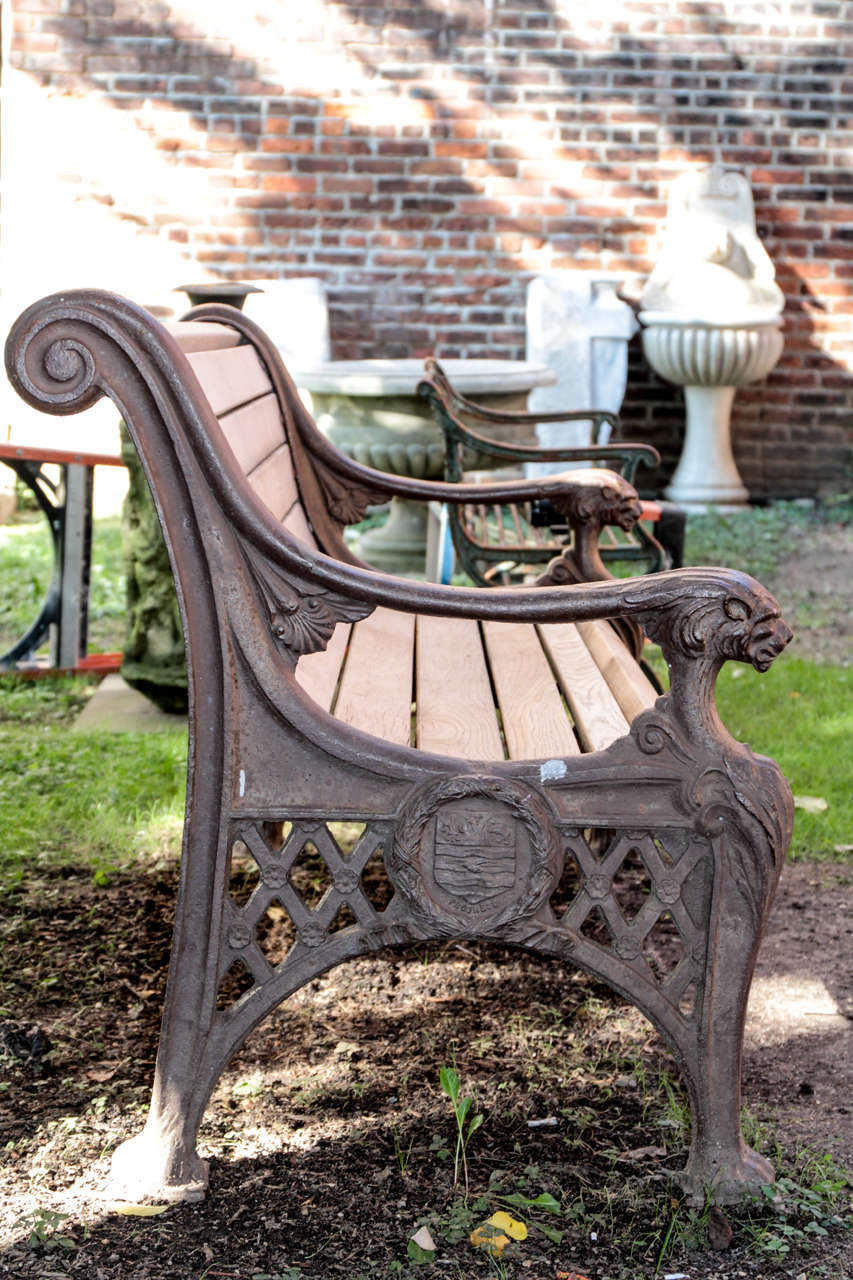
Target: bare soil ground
{"type": "Point", "coordinates": [329, 1138]}
{"type": "Point", "coordinates": [310, 1126]}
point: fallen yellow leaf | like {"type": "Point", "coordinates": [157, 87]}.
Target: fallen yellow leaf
{"type": "Point", "coordinates": [138, 1210]}
{"type": "Point", "coordinates": [517, 1230]}
{"type": "Point", "coordinates": [489, 1239]}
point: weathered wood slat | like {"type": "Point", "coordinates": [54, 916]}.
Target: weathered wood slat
{"type": "Point", "coordinates": [376, 688]}
{"type": "Point", "coordinates": [201, 335]}
{"type": "Point", "coordinates": [535, 722]}
{"type": "Point", "coordinates": [230, 380]}
{"type": "Point", "coordinates": [596, 712]}
{"type": "Point", "coordinates": [274, 481]}
{"type": "Point", "coordinates": [630, 686]}
{"type": "Point", "coordinates": [456, 714]}
{"type": "Point", "coordinates": [254, 431]}
{"type": "Point", "coordinates": [296, 522]}
{"type": "Point", "coordinates": [318, 673]}
{"type": "Point", "coordinates": [516, 520]}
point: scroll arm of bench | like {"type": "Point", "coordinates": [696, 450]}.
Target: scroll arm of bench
{"type": "Point", "coordinates": [445, 405]}
{"type": "Point", "coordinates": [437, 387]}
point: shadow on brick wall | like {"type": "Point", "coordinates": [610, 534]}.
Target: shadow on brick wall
{"type": "Point", "coordinates": [476, 147]}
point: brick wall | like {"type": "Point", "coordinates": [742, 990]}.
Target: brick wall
{"type": "Point", "coordinates": [427, 157]}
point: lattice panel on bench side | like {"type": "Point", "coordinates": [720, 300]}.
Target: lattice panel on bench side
{"type": "Point", "coordinates": [644, 898]}
{"type": "Point", "coordinates": [296, 883]}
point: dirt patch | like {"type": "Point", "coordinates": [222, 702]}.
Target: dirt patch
{"type": "Point", "coordinates": [329, 1135]}
{"type": "Point", "coordinates": [813, 587]}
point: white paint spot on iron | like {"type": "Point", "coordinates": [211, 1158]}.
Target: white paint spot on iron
{"type": "Point", "coordinates": [552, 770]}
{"type": "Point", "coordinates": [242, 782]}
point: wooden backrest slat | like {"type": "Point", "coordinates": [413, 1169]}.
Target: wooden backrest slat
{"type": "Point", "coordinates": [535, 722]}
{"type": "Point", "coordinates": [230, 379]}
{"type": "Point", "coordinates": [456, 713]}
{"type": "Point", "coordinates": [376, 687]}
{"type": "Point", "coordinates": [296, 522]}
{"type": "Point", "coordinates": [596, 712]}
{"type": "Point", "coordinates": [319, 673]}
{"type": "Point", "coordinates": [202, 335]}
{"type": "Point", "coordinates": [628, 683]}
{"type": "Point", "coordinates": [254, 431]}
{"type": "Point", "coordinates": [274, 481]}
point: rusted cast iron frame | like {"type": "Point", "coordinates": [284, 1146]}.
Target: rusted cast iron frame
{"type": "Point", "coordinates": [261, 753]}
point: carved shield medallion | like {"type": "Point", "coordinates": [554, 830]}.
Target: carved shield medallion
{"type": "Point", "coordinates": [473, 853]}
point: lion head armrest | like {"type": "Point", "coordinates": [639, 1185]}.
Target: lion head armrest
{"type": "Point", "coordinates": [702, 618]}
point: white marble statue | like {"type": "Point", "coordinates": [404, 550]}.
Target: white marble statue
{"type": "Point", "coordinates": [578, 327]}
{"type": "Point", "coordinates": [711, 323]}
{"type": "Point", "coordinates": [712, 265]}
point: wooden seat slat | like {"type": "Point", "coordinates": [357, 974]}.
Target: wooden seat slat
{"type": "Point", "coordinates": [535, 722]}
{"type": "Point", "coordinates": [630, 686]}
{"type": "Point", "coordinates": [230, 380]}
{"type": "Point", "coordinates": [319, 673]}
{"type": "Point", "coordinates": [254, 431]}
{"type": "Point", "coordinates": [456, 713]}
{"type": "Point", "coordinates": [274, 481]}
{"type": "Point", "coordinates": [376, 688]}
{"type": "Point", "coordinates": [597, 714]}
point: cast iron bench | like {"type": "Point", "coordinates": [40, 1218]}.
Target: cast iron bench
{"type": "Point", "coordinates": [500, 747]}
{"type": "Point", "coordinates": [503, 545]}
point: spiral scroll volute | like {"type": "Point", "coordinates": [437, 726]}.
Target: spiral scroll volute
{"type": "Point", "coordinates": [50, 358]}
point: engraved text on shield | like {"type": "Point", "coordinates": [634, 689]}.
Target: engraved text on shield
{"type": "Point", "coordinates": [475, 853]}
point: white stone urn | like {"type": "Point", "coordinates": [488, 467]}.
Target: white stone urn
{"type": "Point", "coordinates": [710, 361]}
{"type": "Point", "coordinates": [711, 323]}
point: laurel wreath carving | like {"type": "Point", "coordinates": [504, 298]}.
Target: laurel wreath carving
{"type": "Point", "coordinates": [526, 805]}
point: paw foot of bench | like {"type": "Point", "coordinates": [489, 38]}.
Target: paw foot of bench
{"type": "Point", "coordinates": [725, 1178]}
{"type": "Point", "coordinates": [149, 1166]}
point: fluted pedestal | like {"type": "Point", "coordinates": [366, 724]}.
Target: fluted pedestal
{"type": "Point", "coordinates": [710, 361]}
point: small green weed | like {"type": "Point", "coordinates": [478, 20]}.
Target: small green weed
{"type": "Point", "coordinates": [799, 1209]}
{"type": "Point", "coordinates": [402, 1154]}
{"type": "Point", "coordinates": [42, 1226]}
{"type": "Point", "coordinates": [450, 1085]}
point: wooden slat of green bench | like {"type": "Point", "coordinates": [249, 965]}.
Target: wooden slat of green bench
{"type": "Point", "coordinates": [597, 714]}
{"type": "Point", "coordinates": [456, 712]}
{"type": "Point", "coordinates": [376, 689]}
{"type": "Point", "coordinates": [534, 718]}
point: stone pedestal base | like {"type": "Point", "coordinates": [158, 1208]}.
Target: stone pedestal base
{"type": "Point", "coordinates": [706, 474]}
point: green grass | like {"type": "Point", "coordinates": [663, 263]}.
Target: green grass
{"type": "Point", "coordinates": [99, 800]}
{"type": "Point", "coordinates": [26, 565]}
{"type": "Point", "coordinates": [94, 799]}
{"type": "Point", "coordinates": [801, 714]}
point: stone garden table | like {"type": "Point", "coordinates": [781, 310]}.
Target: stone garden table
{"type": "Point", "coordinates": [371, 411]}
